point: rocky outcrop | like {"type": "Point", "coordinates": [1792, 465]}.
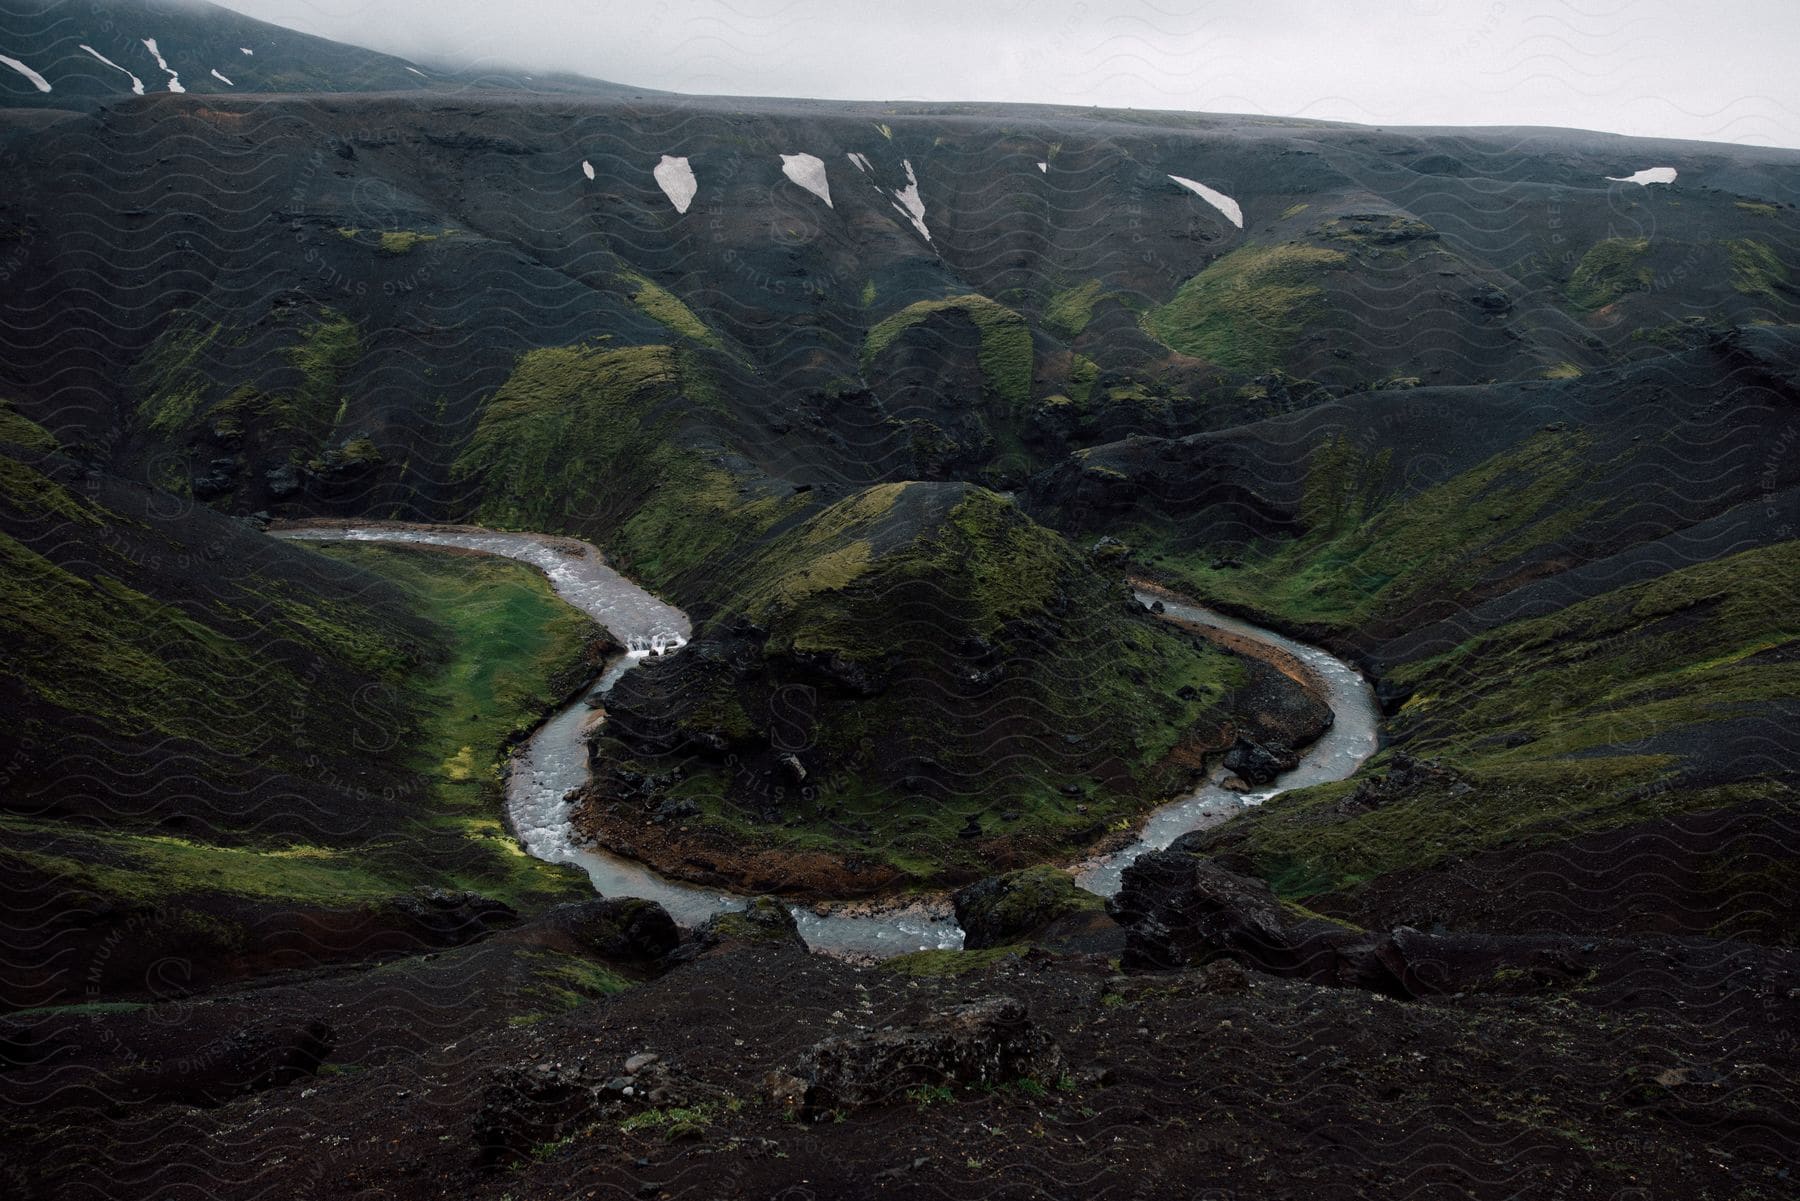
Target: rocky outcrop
{"type": "Point", "coordinates": [1002, 910]}
{"type": "Point", "coordinates": [764, 919]}
{"type": "Point", "coordinates": [1180, 911]}
{"type": "Point", "coordinates": [990, 1041]}
{"type": "Point", "coordinates": [628, 929]}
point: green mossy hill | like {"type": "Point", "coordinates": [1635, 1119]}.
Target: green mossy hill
{"type": "Point", "coordinates": [1657, 700]}
{"type": "Point", "coordinates": [288, 395]}
{"type": "Point", "coordinates": [1006, 358]}
{"type": "Point", "coordinates": [19, 430]}
{"type": "Point", "coordinates": [304, 727]}
{"type": "Point", "coordinates": [1010, 909]}
{"type": "Point", "coordinates": [1369, 557]}
{"type": "Point", "coordinates": [1246, 309]}
{"type": "Point", "coordinates": [1070, 310]}
{"type": "Point", "coordinates": [599, 440]}
{"type": "Point", "coordinates": [952, 681]}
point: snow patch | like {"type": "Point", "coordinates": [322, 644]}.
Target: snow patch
{"type": "Point", "coordinates": [37, 81]}
{"type": "Point", "coordinates": [222, 79]}
{"type": "Point", "coordinates": [1218, 200]}
{"type": "Point", "coordinates": [137, 85]}
{"type": "Point", "coordinates": [174, 79]}
{"type": "Point", "coordinates": [910, 204]}
{"type": "Point", "coordinates": [418, 72]}
{"type": "Point", "coordinates": [860, 162]}
{"type": "Point", "coordinates": [1044, 167]}
{"type": "Point", "coordinates": [247, 50]}
{"type": "Point", "coordinates": [808, 170]}
{"type": "Point", "coordinates": [676, 179]}
{"type": "Point", "coordinates": [587, 168]}
{"type": "Point", "coordinates": [1647, 176]}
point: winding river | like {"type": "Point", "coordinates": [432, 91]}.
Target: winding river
{"type": "Point", "coordinates": [554, 761]}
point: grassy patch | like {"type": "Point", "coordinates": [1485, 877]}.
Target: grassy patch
{"type": "Point", "coordinates": [1587, 698]}
{"type": "Point", "coordinates": [1364, 556]}
{"type": "Point", "coordinates": [663, 305]}
{"type": "Point", "coordinates": [1246, 309]}
{"type": "Point", "coordinates": [1069, 311]}
{"type": "Point", "coordinates": [937, 965]}
{"type": "Point", "coordinates": [1757, 272]}
{"type": "Point", "coordinates": [1006, 359]}
{"type": "Point", "coordinates": [19, 430]}
{"type": "Point", "coordinates": [1609, 270]}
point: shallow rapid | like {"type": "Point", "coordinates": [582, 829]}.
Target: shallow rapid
{"type": "Point", "coordinates": [554, 762]}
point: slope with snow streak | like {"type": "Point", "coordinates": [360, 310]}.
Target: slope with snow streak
{"type": "Point", "coordinates": [37, 81]}
{"type": "Point", "coordinates": [137, 85]}
{"type": "Point", "coordinates": [808, 171]}
{"type": "Point", "coordinates": [1646, 177]}
{"type": "Point", "coordinates": [174, 79]}
{"type": "Point", "coordinates": [1217, 199]}
{"type": "Point", "coordinates": [676, 178]}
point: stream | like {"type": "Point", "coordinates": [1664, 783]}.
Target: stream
{"type": "Point", "coordinates": [554, 761]}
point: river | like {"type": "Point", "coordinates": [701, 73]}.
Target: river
{"type": "Point", "coordinates": [554, 761]}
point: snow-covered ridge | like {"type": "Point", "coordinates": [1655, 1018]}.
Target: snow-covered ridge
{"type": "Point", "coordinates": [1218, 200]}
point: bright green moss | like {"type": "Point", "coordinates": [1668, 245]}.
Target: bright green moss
{"type": "Point", "coordinates": [1246, 309]}
{"type": "Point", "coordinates": [21, 431]}
{"type": "Point", "coordinates": [1758, 273]}
{"type": "Point", "coordinates": [1363, 556]}
{"type": "Point", "coordinates": [1610, 270]}
{"type": "Point", "coordinates": [1069, 311]}
{"type": "Point", "coordinates": [663, 305]}
{"type": "Point", "coordinates": [938, 965]}
{"type": "Point", "coordinates": [170, 378]}
{"type": "Point", "coordinates": [1006, 358]}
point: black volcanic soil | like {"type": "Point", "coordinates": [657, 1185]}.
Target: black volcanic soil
{"type": "Point", "coordinates": [1658, 1071]}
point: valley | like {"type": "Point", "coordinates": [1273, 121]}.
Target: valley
{"type": "Point", "coordinates": [1033, 650]}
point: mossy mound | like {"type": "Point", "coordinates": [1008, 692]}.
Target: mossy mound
{"type": "Point", "coordinates": [918, 676]}
{"type": "Point", "coordinates": [1608, 271]}
{"type": "Point", "coordinates": [1006, 357]}
{"type": "Point", "coordinates": [1245, 310]}
{"type": "Point", "coordinates": [1009, 909]}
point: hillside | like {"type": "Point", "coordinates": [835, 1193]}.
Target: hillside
{"type": "Point", "coordinates": [892, 400]}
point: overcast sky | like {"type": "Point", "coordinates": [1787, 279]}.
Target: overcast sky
{"type": "Point", "coordinates": [1674, 68]}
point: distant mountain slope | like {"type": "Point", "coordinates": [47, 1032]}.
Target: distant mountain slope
{"type": "Point", "coordinates": [75, 54]}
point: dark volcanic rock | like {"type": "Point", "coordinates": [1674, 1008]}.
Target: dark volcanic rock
{"type": "Point", "coordinates": [764, 919]}
{"type": "Point", "coordinates": [990, 1041]}
{"type": "Point", "coordinates": [1258, 763]}
{"type": "Point", "coordinates": [623, 928]}
{"type": "Point", "coordinates": [1011, 908]}
{"type": "Point", "coordinates": [449, 918]}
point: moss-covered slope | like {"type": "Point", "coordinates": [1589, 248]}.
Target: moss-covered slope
{"type": "Point", "coordinates": [920, 678]}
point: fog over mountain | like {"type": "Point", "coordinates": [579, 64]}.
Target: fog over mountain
{"type": "Point", "coordinates": [1651, 68]}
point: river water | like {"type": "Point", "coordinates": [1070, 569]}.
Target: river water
{"type": "Point", "coordinates": [554, 761]}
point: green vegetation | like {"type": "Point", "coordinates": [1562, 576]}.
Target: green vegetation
{"type": "Point", "coordinates": [1069, 311]}
{"type": "Point", "coordinates": [1246, 309]}
{"type": "Point", "coordinates": [1006, 359]}
{"type": "Point", "coordinates": [21, 431]}
{"type": "Point", "coordinates": [1610, 270]}
{"type": "Point", "coordinates": [1758, 273]}
{"type": "Point", "coordinates": [1591, 700]}
{"type": "Point", "coordinates": [590, 432]}
{"type": "Point", "coordinates": [937, 965]}
{"type": "Point", "coordinates": [663, 305]}
{"type": "Point", "coordinates": [175, 383]}
{"type": "Point", "coordinates": [899, 584]}
{"type": "Point", "coordinates": [1363, 557]}
{"type": "Point", "coordinates": [1757, 208]}
{"type": "Point", "coordinates": [218, 677]}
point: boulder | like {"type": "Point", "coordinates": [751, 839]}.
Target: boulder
{"type": "Point", "coordinates": [764, 919]}
{"type": "Point", "coordinates": [448, 918]}
{"type": "Point", "coordinates": [1002, 910]}
{"type": "Point", "coordinates": [1257, 763]}
{"type": "Point", "coordinates": [628, 929]}
{"type": "Point", "coordinates": [990, 1041]}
